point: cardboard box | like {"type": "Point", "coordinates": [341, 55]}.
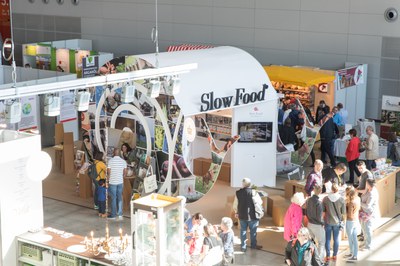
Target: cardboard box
{"type": "Point", "coordinates": [85, 186]}
{"type": "Point", "coordinates": [279, 211]}
{"type": "Point", "coordinates": [273, 199]}
{"type": "Point", "coordinates": [198, 166]}
{"type": "Point", "coordinates": [293, 186]}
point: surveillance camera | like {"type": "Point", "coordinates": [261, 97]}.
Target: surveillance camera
{"type": "Point", "coordinates": [390, 14]}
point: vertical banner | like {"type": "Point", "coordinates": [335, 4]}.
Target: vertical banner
{"type": "Point", "coordinates": [67, 107]}
{"type": "Point", "coordinates": [28, 116]}
{"type": "Point", "coordinates": [79, 55]}
{"type": "Point", "coordinates": [90, 66]}
{"type": "Point", "coordinates": [5, 29]}
{"type": "Point", "coordinates": [349, 77]}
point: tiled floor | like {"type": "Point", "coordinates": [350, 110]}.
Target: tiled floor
{"type": "Point", "coordinates": [82, 220]}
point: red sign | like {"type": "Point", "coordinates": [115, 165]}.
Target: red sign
{"type": "Point", "coordinates": [5, 29]}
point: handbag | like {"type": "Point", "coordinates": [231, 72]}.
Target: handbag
{"type": "Point", "coordinates": [259, 211]}
{"type": "Point", "coordinates": [341, 222]}
{"type": "Point", "coordinates": [150, 181]}
{"type": "Point", "coordinates": [361, 148]}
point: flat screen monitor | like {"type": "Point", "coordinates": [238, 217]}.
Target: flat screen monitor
{"type": "Point", "coordinates": [254, 132]}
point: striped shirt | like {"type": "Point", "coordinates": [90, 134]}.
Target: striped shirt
{"type": "Point", "coordinates": [117, 166]}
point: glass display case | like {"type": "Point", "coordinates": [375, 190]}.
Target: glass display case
{"type": "Point", "coordinates": [157, 230]}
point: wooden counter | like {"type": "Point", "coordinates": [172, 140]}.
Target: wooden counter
{"type": "Point", "coordinates": [387, 192]}
{"type": "Point", "coordinates": [59, 243]}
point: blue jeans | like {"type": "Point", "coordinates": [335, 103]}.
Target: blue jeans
{"type": "Point", "coordinates": [329, 229]}
{"type": "Point", "coordinates": [116, 199]}
{"type": "Point", "coordinates": [367, 230]}
{"type": "Point", "coordinates": [351, 231]}
{"type": "Point", "coordinates": [253, 224]}
{"type": "Point", "coordinates": [95, 192]}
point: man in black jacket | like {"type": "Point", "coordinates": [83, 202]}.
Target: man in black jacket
{"type": "Point", "coordinates": [327, 133]}
{"type": "Point", "coordinates": [243, 206]}
{"type": "Point", "coordinates": [315, 220]}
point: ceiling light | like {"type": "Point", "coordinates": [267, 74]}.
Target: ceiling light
{"type": "Point", "coordinates": [153, 88]}
{"type": "Point", "coordinates": [82, 100]}
{"type": "Point", "coordinates": [51, 105]}
{"type": "Point", "coordinates": [128, 93]}
{"type": "Point", "coordinates": [13, 111]}
{"type": "Point", "coordinates": [174, 86]}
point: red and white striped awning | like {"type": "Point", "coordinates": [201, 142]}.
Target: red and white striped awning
{"type": "Point", "coordinates": [185, 47]}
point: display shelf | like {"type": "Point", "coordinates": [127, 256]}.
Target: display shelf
{"type": "Point", "coordinates": [54, 251]}
{"type": "Point", "coordinates": [23, 259]}
{"type": "Point", "coordinates": [157, 217]}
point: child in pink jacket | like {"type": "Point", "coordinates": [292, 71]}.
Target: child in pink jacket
{"type": "Point", "coordinates": [293, 217]}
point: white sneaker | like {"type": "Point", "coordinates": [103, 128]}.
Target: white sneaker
{"type": "Point", "coordinates": [120, 217]}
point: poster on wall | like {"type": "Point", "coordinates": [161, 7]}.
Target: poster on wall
{"type": "Point", "coordinates": [90, 66]}
{"type": "Point", "coordinates": [349, 77]}
{"type": "Point", "coordinates": [62, 59]}
{"type": "Point", "coordinates": [28, 116]}
{"type": "Point", "coordinates": [67, 107]}
{"type": "Point", "coordinates": [43, 56]}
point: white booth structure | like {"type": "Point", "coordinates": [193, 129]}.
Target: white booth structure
{"type": "Point", "coordinates": [234, 83]}
{"type": "Point", "coordinates": [21, 202]}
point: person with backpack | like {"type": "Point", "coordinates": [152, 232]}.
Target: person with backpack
{"type": "Point", "coordinates": [97, 171]}
{"type": "Point", "coordinates": [302, 250]}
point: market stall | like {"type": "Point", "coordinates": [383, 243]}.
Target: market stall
{"type": "Point", "coordinates": [310, 85]}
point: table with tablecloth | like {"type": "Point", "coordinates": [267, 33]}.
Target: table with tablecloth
{"type": "Point", "coordinates": [340, 146]}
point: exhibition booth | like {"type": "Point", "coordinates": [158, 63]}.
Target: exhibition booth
{"type": "Point", "coordinates": [242, 109]}
{"type": "Point", "coordinates": [310, 85]}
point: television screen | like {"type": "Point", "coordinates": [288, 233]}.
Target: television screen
{"type": "Point", "coordinates": [255, 131]}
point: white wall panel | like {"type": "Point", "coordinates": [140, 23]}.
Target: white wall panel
{"type": "Point", "coordinates": [322, 60]}
{"type": "Point", "coordinates": [233, 36]}
{"type": "Point", "coordinates": [281, 4]}
{"type": "Point", "coordinates": [325, 5]}
{"type": "Point", "coordinates": [276, 57]}
{"type": "Point", "coordinates": [276, 39]}
{"type": "Point", "coordinates": [92, 25]}
{"type": "Point", "coordinates": [267, 19]}
{"type": "Point", "coordinates": [365, 24]}
{"type": "Point", "coordinates": [233, 17]}
{"type": "Point", "coordinates": [192, 33]}
{"type": "Point", "coordinates": [124, 29]}
{"type": "Point", "coordinates": [193, 2]}
{"type": "Point", "coordinates": [373, 110]}
{"type": "Point", "coordinates": [372, 6]}
{"type": "Point", "coordinates": [323, 42]}
{"type": "Point", "coordinates": [365, 45]}
{"type": "Point", "coordinates": [192, 15]}
{"type": "Point", "coordinates": [234, 3]}
{"type": "Point", "coordinates": [324, 22]}
{"type": "Point", "coordinates": [373, 88]}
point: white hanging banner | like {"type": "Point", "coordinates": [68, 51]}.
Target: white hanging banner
{"type": "Point", "coordinates": [67, 107]}
{"type": "Point", "coordinates": [28, 116]}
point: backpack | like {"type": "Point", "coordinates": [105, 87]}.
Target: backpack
{"type": "Point", "coordinates": [92, 172]}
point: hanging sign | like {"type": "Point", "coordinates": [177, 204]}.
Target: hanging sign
{"type": "Point", "coordinates": [28, 116]}
{"type": "Point", "coordinates": [210, 102]}
{"type": "Point", "coordinates": [90, 66]}
{"type": "Point", "coordinates": [67, 107]}
{"type": "Point", "coordinates": [349, 77]}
